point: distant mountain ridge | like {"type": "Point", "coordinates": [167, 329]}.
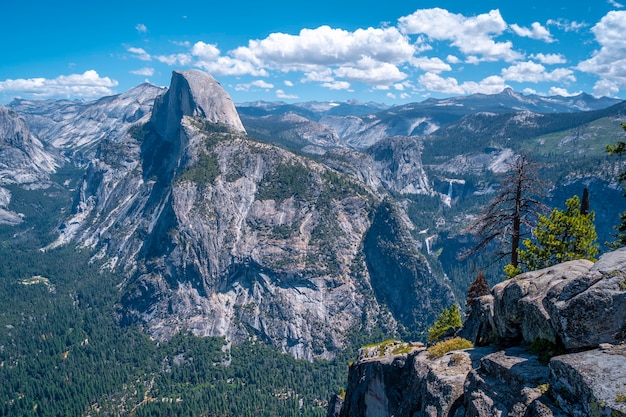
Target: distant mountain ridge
{"type": "Point", "coordinates": [359, 125]}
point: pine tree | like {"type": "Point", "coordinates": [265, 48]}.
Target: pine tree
{"type": "Point", "coordinates": [512, 212]}
{"type": "Point", "coordinates": [450, 318]}
{"type": "Point", "coordinates": [562, 236]}
{"type": "Point", "coordinates": [477, 288]}
{"type": "Point", "coordinates": [619, 149]}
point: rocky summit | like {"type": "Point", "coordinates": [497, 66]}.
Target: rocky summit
{"type": "Point", "coordinates": [222, 235]}
{"type": "Point", "coordinates": [548, 343]}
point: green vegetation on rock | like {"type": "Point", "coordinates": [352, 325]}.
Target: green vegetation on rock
{"type": "Point", "coordinates": [450, 318]}
{"type": "Point", "coordinates": [445, 346]}
{"type": "Point", "coordinates": [562, 236]}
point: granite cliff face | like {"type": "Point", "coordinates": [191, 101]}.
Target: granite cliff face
{"type": "Point", "coordinates": [574, 312]}
{"type": "Point", "coordinates": [223, 235]}
{"type": "Point", "coordinates": [24, 161]}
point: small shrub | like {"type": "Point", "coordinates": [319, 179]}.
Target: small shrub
{"type": "Point", "coordinates": [441, 348]}
{"type": "Point", "coordinates": [543, 388]}
{"type": "Point", "coordinates": [620, 397]}
{"type": "Point", "coordinates": [545, 349]}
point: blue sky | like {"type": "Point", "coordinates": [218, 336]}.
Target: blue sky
{"type": "Point", "coordinates": [391, 51]}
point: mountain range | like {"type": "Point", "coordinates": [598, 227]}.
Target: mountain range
{"type": "Point", "coordinates": [295, 224]}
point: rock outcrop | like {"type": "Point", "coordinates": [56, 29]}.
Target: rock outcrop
{"type": "Point", "coordinates": [572, 314]}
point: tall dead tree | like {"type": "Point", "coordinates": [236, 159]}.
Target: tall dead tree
{"type": "Point", "coordinates": [512, 212]}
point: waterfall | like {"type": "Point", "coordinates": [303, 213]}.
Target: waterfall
{"type": "Point", "coordinates": [450, 191]}
{"type": "Point", "coordinates": [429, 243]}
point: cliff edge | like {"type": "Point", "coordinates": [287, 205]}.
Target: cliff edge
{"type": "Point", "coordinates": [549, 343]}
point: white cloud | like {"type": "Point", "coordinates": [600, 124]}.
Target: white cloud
{"type": "Point", "coordinates": [225, 65]}
{"type": "Point", "coordinates": [261, 84]}
{"type": "Point", "coordinates": [145, 71]}
{"type": "Point", "coordinates": [174, 59]}
{"type": "Point", "coordinates": [549, 59]}
{"type": "Point", "coordinates": [253, 85]}
{"type": "Point", "coordinates": [337, 85]}
{"type": "Point", "coordinates": [616, 4]}
{"type": "Point", "coordinates": [558, 91]}
{"type": "Point", "coordinates": [288, 83]}
{"type": "Point", "coordinates": [139, 53]}
{"type": "Point", "coordinates": [532, 72]}
{"type": "Point", "coordinates": [368, 55]}
{"type": "Point", "coordinates": [371, 72]}
{"type": "Point", "coordinates": [536, 31]}
{"type": "Point", "coordinates": [141, 28]}
{"type": "Point", "coordinates": [426, 64]}
{"type": "Point", "coordinates": [566, 25]}
{"type": "Point", "coordinates": [453, 59]}
{"type": "Point", "coordinates": [473, 36]}
{"type": "Point", "coordinates": [209, 58]}
{"type": "Point", "coordinates": [325, 75]}
{"type": "Point", "coordinates": [605, 88]}
{"type": "Point", "coordinates": [326, 46]}
{"type": "Point", "coordinates": [281, 94]}
{"type": "Point", "coordinates": [609, 62]}
{"type": "Point", "coordinates": [434, 82]}
{"type": "Point", "coordinates": [205, 51]}
{"type": "Point", "coordinates": [86, 85]}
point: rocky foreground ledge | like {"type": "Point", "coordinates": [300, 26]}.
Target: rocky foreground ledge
{"type": "Point", "coordinates": [574, 313]}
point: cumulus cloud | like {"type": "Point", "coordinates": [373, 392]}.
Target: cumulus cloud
{"type": "Point", "coordinates": [549, 59]}
{"type": "Point", "coordinates": [86, 85]}
{"type": "Point", "coordinates": [434, 82]}
{"type": "Point", "coordinates": [326, 46]}
{"type": "Point", "coordinates": [145, 71]}
{"type": "Point", "coordinates": [605, 88]}
{"type": "Point", "coordinates": [532, 72]}
{"type": "Point", "coordinates": [558, 91]}
{"type": "Point", "coordinates": [324, 75]}
{"type": "Point", "coordinates": [141, 28]}
{"type": "Point", "coordinates": [288, 83]}
{"type": "Point", "coordinates": [254, 84]}
{"type": "Point", "coordinates": [205, 51]}
{"type": "Point", "coordinates": [174, 59]}
{"type": "Point", "coordinates": [426, 64]}
{"type": "Point", "coordinates": [609, 62]}
{"type": "Point", "coordinates": [337, 85]}
{"type": "Point", "coordinates": [536, 31]}
{"type": "Point", "coordinates": [282, 95]}
{"type": "Point", "coordinates": [139, 53]}
{"type": "Point", "coordinates": [369, 71]}
{"type": "Point", "coordinates": [566, 25]}
{"type": "Point", "coordinates": [226, 65]}
{"type": "Point", "coordinates": [473, 36]}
